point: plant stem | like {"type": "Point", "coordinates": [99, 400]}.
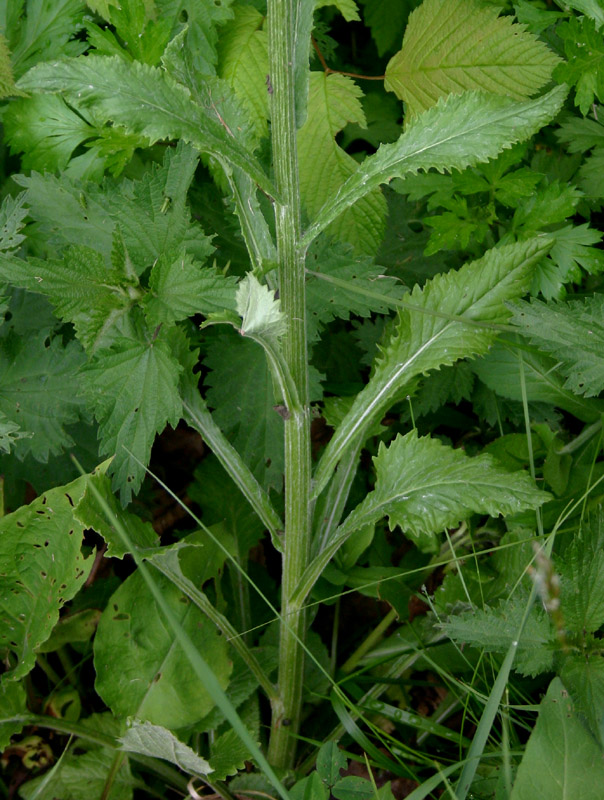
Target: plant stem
{"type": "Point", "coordinates": [286, 716]}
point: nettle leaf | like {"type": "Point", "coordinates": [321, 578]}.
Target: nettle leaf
{"type": "Point", "coordinates": [7, 79]}
{"type": "Point", "coordinates": [133, 388]}
{"type": "Point", "coordinates": [259, 310]}
{"type": "Point", "coordinates": [144, 34]}
{"type": "Point", "coordinates": [561, 759]}
{"type": "Point", "coordinates": [582, 577]}
{"type": "Point", "coordinates": [42, 567]}
{"type": "Point", "coordinates": [494, 630]}
{"type": "Point", "coordinates": [572, 333]}
{"type": "Point", "coordinates": [424, 487]}
{"type": "Point", "coordinates": [500, 371]}
{"type": "Point", "coordinates": [153, 740]}
{"type": "Point", "coordinates": [12, 220]}
{"type": "Point", "coordinates": [459, 45]}
{"type": "Point", "coordinates": [205, 21]}
{"type": "Point", "coordinates": [584, 65]}
{"type": "Point", "coordinates": [228, 754]}
{"type": "Point", "coordinates": [47, 31]}
{"type": "Point", "coordinates": [180, 288]}
{"type": "Point", "coordinates": [80, 287]}
{"type": "Point", "coordinates": [146, 101]}
{"type": "Point", "coordinates": [39, 391]}
{"type": "Point", "coordinates": [456, 133]}
{"type": "Point", "coordinates": [333, 101]}
{"type": "Point", "coordinates": [327, 301]}
{"type": "Point", "coordinates": [423, 340]}
{"type": "Point", "coordinates": [140, 668]}
{"type": "Point", "coordinates": [243, 63]}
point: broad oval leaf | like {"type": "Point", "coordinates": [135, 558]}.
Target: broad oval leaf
{"type": "Point", "coordinates": [141, 670]}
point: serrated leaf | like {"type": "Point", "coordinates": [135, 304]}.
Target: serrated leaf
{"type": "Point", "coordinates": [494, 629]}
{"type": "Point", "coordinates": [140, 667]}
{"type": "Point", "coordinates": [581, 572]}
{"type": "Point", "coordinates": [458, 132]}
{"type": "Point", "coordinates": [133, 388]}
{"type": "Point", "coordinates": [243, 63]}
{"type": "Point", "coordinates": [327, 301]}
{"type": "Point", "coordinates": [580, 134]}
{"type": "Point", "coordinates": [347, 8]}
{"type": "Point", "coordinates": [549, 206]}
{"type": "Point", "coordinates": [42, 567]}
{"type": "Point", "coordinates": [145, 101]}
{"type": "Point", "coordinates": [584, 676]}
{"type": "Point", "coordinates": [47, 31]}
{"type": "Point", "coordinates": [80, 287]}
{"type": "Point", "coordinates": [424, 487]}
{"type": "Point", "coordinates": [333, 101]}
{"type": "Point", "coordinates": [258, 308]}
{"type": "Point", "coordinates": [228, 755]}
{"type": "Point", "coordinates": [500, 371]}
{"type": "Point", "coordinates": [179, 287]}
{"type": "Point", "coordinates": [10, 433]}
{"type": "Point", "coordinates": [153, 740]}
{"type": "Point", "coordinates": [7, 79]}
{"type": "Point", "coordinates": [572, 333]}
{"type": "Point", "coordinates": [584, 65]}
{"type": "Point", "coordinates": [39, 388]}
{"type": "Point", "coordinates": [12, 216]}
{"type": "Point", "coordinates": [449, 384]}
{"type": "Point", "coordinates": [561, 760]}
{"type": "Point", "coordinates": [424, 341]}
{"type": "Point", "coordinates": [459, 45]}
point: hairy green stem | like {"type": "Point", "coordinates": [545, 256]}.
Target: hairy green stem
{"type": "Point", "coordinates": [296, 546]}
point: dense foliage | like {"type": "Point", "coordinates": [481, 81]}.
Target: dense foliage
{"type": "Point", "coordinates": [301, 356]}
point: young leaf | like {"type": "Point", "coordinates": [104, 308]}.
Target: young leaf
{"type": "Point", "coordinates": [228, 754]}
{"type": "Point", "coordinates": [424, 341]}
{"type": "Point", "coordinates": [243, 63]}
{"type": "Point", "coordinates": [133, 388]}
{"type": "Point", "coordinates": [334, 100]}
{"type": "Point", "coordinates": [42, 568]}
{"type": "Point", "coordinates": [140, 668]}
{"type": "Point", "coordinates": [561, 759]}
{"type": "Point", "coordinates": [459, 45]}
{"type": "Point", "coordinates": [153, 740]}
{"type": "Point", "coordinates": [584, 65]}
{"type": "Point", "coordinates": [424, 487]}
{"type": "Point", "coordinates": [259, 310]}
{"type": "Point", "coordinates": [458, 132]}
{"type": "Point", "coordinates": [572, 333]}
{"type": "Point", "coordinates": [145, 101]}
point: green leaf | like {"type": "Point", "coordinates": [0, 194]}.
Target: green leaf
{"type": "Point", "coordinates": [7, 79]}
{"type": "Point", "coordinates": [582, 578]}
{"type": "Point", "coordinates": [572, 333]}
{"type": "Point", "coordinates": [139, 665]}
{"type": "Point", "coordinates": [309, 788]}
{"type": "Point", "coordinates": [153, 740]}
{"type": "Point", "coordinates": [145, 101]}
{"type": "Point", "coordinates": [584, 65]}
{"type": "Point", "coordinates": [458, 132]}
{"type": "Point", "coordinates": [243, 63]}
{"type": "Point", "coordinates": [347, 8]}
{"type": "Point", "coordinates": [424, 487]}
{"type": "Point", "coordinates": [228, 755]}
{"type": "Point", "coordinates": [561, 759]}
{"type": "Point", "coordinates": [459, 45]}
{"type": "Point", "coordinates": [333, 101]}
{"type": "Point", "coordinates": [179, 287]}
{"type": "Point", "coordinates": [77, 627]}
{"type": "Point", "coordinates": [205, 21]}
{"type": "Point", "coordinates": [91, 769]}
{"type": "Point", "coordinates": [353, 788]}
{"type": "Point", "coordinates": [42, 568]}
{"type": "Point", "coordinates": [133, 388]}
{"type": "Point", "coordinates": [500, 371]}
{"type": "Point", "coordinates": [144, 34]}
{"type": "Point", "coordinates": [81, 288]}
{"type": "Point", "coordinates": [494, 630]}
{"type": "Point", "coordinates": [584, 676]}
{"type": "Point", "coordinates": [241, 392]}
{"type": "Point", "coordinates": [39, 389]}
{"type": "Point", "coordinates": [12, 704]}
{"type": "Point", "coordinates": [91, 515]}
{"type": "Point", "coordinates": [423, 340]}
{"type": "Point", "coordinates": [259, 310]}
{"type": "Point", "coordinates": [330, 762]}
{"type": "Point", "coordinates": [47, 31]}
{"type": "Point", "coordinates": [10, 433]}
{"type": "Point", "coordinates": [386, 19]}
{"type": "Point", "coordinates": [361, 277]}
{"type": "Point", "coordinates": [580, 135]}
{"type": "Point", "coordinates": [12, 216]}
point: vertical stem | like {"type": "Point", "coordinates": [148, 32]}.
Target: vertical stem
{"type": "Point", "coordinates": [286, 713]}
